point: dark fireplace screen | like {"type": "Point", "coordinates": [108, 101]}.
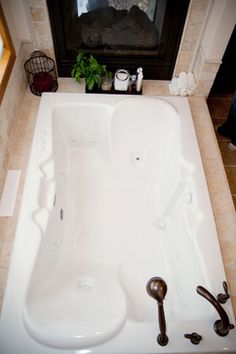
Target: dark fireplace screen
{"type": "Point", "coordinates": [119, 33]}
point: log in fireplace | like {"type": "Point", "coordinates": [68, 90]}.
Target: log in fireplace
{"type": "Point", "coordinates": [120, 34]}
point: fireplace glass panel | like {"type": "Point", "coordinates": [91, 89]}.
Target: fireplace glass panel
{"type": "Point", "coordinates": [119, 25]}
{"type": "Point", "coordinates": [120, 34]}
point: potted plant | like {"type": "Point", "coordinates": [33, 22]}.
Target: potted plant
{"type": "Point", "coordinates": [89, 68]}
{"type": "Point", "coordinates": [107, 81]}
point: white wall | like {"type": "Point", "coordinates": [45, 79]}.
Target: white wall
{"type": "Point", "coordinates": [219, 27]}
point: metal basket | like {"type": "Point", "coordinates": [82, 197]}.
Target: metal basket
{"type": "Point", "coordinates": [41, 73]}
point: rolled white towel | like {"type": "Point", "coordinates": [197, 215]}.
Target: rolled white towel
{"type": "Point", "coordinates": [183, 83]}
{"type": "Point", "coordinates": [173, 86]}
{"type": "Point", "coordinates": [191, 84]}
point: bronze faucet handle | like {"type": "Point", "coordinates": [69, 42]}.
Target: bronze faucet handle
{"type": "Point", "coordinates": [194, 337]}
{"type": "Point", "coordinates": [223, 297]}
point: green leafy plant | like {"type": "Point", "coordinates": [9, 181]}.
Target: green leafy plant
{"type": "Point", "coordinates": [108, 75]}
{"type": "Point", "coordinates": [89, 68]}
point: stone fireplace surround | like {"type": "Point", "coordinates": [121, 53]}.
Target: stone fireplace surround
{"type": "Point", "coordinates": [124, 37]}
{"type": "Point", "coordinates": [207, 30]}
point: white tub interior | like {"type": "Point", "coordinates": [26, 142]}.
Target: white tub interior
{"type": "Point", "coordinates": [121, 197]}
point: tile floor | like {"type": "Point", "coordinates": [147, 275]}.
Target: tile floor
{"type": "Point", "coordinates": [219, 107]}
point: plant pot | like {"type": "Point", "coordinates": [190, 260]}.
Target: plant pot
{"type": "Point", "coordinates": [95, 89]}
{"type": "Point", "coordinates": [106, 84]}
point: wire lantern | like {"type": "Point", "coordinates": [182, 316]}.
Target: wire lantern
{"type": "Point", "coordinates": [41, 73]}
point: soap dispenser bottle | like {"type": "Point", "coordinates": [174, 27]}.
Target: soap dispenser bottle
{"type": "Point", "coordinates": [139, 79]}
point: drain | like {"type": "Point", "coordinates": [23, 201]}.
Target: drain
{"type": "Point", "coordinates": [138, 158]}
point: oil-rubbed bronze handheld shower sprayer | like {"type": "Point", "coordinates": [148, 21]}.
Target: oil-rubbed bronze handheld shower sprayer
{"type": "Point", "coordinates": [157, 289]}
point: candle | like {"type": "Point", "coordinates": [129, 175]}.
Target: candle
{"type": "Point", "coordinates": [42, 82]}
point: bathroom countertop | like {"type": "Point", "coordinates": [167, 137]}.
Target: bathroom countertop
{"type": "Point", "coordinates": [221, 199]}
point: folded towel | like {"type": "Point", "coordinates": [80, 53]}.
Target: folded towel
{"type": "Point", "coordinates": [183, 85]}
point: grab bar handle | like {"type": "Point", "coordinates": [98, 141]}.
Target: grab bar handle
{"type": "Point", "coordinates": [221, 326]}
{"type": "Point", "coordinates": [47, 191]}
{"type": "Point", "coordinates": [180, 196]}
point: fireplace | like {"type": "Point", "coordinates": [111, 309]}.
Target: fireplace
{"type": "Point", "coordinates": [120, 34]}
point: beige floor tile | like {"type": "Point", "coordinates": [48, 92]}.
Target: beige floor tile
{"type": "Point", "coordinates": [25, 129]}
{"type": "Point", "coordinates": [226, 226]}
{"type": "Point", "coordinates": [18, 162]}
{"type": "Point", "coordinates": [30, 104]}
{"type": "Point", "coordinates": [3, 227]}
{"type": "Point", "coordinates": [10, 229]}
{"type": "Point", "coordinates": [207, 142]}
{"type": "Point", "coordinates": [151, 87]}
{"type": "Point", "coordinates": [219, 191]}
{"type": "Point", "coordinates": [228, 250]}
{"type": "Point", "coordinates": [5, 254]}
{"type": "Point", "coordinates": [3, 279]}
{"type": "Point", "coordinates": [199, 111]}
{"type": "Point", "coordinates": [231, 274]}
{"type": "Point", "coordinates": [21, 146]}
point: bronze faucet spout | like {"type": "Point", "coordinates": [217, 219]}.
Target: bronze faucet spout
{"type": "Point", "coordinates": [221, 326]}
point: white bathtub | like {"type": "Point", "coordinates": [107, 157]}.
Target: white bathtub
{"type": "Point", "coordinates": [115, 194]}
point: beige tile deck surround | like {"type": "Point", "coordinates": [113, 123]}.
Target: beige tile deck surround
{"type": "Point", "coordinates": [223, 207]}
